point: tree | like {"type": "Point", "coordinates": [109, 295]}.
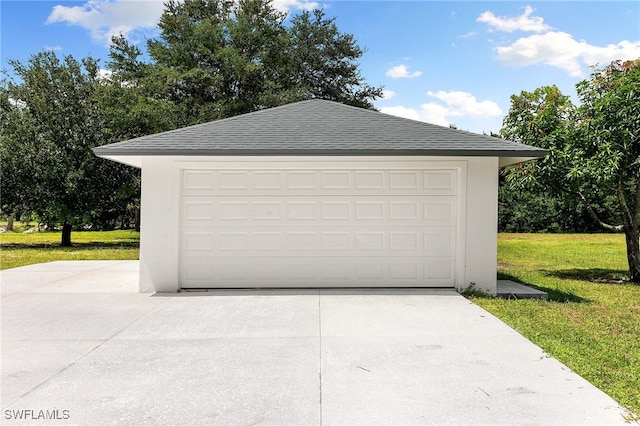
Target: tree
{"type": "Point", "coordinates": [51, 119]}
{"type": "Point", "coordinates": [324, 62]}
{"type": "Point", "coordinates": [131, 98]}
{"type": "Point", "coordinates": [594, 149]}
{"type": "Point", "coordinates": [217, 58]}
{"type": "Point", "coordinates": [16, 174]}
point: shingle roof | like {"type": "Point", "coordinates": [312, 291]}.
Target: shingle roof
{"type": "Point", "coordinates": [318, 127]}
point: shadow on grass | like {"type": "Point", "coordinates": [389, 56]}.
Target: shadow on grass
{"type": "Point", "coordinates": [92, 245]}
{"type": "Point", "coordinates": [555, 295]}
{"type": "Point", "coordinates": [593, 275]}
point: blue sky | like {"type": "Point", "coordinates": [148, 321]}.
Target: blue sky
{"type": "Point", "coordinates": [441, 62]}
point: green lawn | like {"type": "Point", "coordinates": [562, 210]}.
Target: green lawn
{"type": "Point", "coordinates": [592, 321]}
{"type": "Point", "coordinates": [19, 249]}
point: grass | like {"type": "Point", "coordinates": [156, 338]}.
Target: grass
{"type": "Point", "coordinates": [592, 321]}
{"type": "Point", "coordinates": [19, 249]}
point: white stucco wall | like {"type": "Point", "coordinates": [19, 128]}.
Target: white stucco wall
{"type": "Point", "coordinates": [482, 224]}
{"type": "Point", "coordinates": [160, 217]}
{"type": "Point", "coordinates": [159, 226]}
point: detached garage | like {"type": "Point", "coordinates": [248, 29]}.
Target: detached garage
{"type": "Point", "coordinates": [318, 194]}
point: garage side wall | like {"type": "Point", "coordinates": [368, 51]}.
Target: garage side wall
{"type": "Point", "coordinates": [481, 224]}
{"type": "Point", "coordinates": [158, 226]}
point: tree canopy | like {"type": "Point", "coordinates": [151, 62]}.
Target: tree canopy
{"type": "Point", "coordinates": [50, 121]}
{"type": "Point", "coordinates": [594, 148]}
{"type": "Point", "coordinates": [215, 59]}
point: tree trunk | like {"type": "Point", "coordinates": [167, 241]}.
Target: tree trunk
{"type": "Point", "coordinates": [9, 223]}
{"type": "Point", "coordinates": [66, 234]}
{"type": "Point", "coordinates": [633, 255]}
{"type": "Point", "coordinates": [137, 219]}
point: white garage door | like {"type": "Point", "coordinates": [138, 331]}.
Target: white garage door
{"type": "Point", "coordinates": [302, 227]}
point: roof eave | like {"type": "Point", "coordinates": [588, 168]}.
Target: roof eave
{"type": "Point", "coordinates": [515, 159]}
{"type": "Point", "coordinates": [508, 155]}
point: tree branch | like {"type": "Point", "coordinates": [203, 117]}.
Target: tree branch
{"type": "Point", "coordinates": [593, 214]}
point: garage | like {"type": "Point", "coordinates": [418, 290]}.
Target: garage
{"type": "Point", "coordinates": [317, 194]}
{"type": "Point", "coordinates": [314, 224]}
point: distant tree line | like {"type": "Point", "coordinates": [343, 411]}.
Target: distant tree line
{"type": "Point", "coordinates": [537, 211]}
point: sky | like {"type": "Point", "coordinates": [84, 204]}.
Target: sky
{"type": "Point", "coordinates": [443, 62]}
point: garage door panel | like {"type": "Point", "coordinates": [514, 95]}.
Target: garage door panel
{"type": "Point", "coordinates": [440, 211]}
{"type": "Point", "coordinates": [439, 242]}
{"type": "Point", "coordinates": [323, 211]}
{"type": "Point", "coordinates": [230, 210]}
{"type": "Point", "coordinates": [369, 180]}
{"type": "Point", "coordinates": [335, 210]}
{"type": "Point", "coordinates": [313, 272]}
{"type": "Point", "coordinates": [268, 241]}
{"type": "Point", "coordinates": [443, 181]}
{"type": "Point", "coordinates": [404, 210]}
{"type": "Point", "coordinates": [317, 228]}
{"type": "Point", "coordinates": [231, 180]}
{"type": "Point", "coordinates": [301, 180]}
{"type": "Point", "coordinates": [200, 241]}
{"type": "Point", "coordinates": [220, 242]}
{"type": "Point", "coordinates": [334, 180]}
{"type": "Point", "coordinates": [338, 241]}
{"type": "Point", "coordinates": [319, 182]}
{"type": "Point", "coordinates": [301, 210]}
{"type": "Point", "coordinates": [194, 210]}
{"type": "Point", "coordinates": [370, 240]}
{"type": "Point", "coordinates": [439, 271]}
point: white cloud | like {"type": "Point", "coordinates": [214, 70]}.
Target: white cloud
{"type": "Point", "coordinates": [401, 71]}
{"type": "Point", "coordinates": [401, 111]}
{"type": "Point", "coordinates": [554, 48]}
{"type": "Point", "coordinates": [388, 94]}
{"type": "Point", "coordinates": [104, 74]}
{"type": "Point", "coordinates": [465, 104]}
{"type": "Point", "coordinates": [524, 22]}
{"type": "Point", "coordinates": [104, 19]}
{"type": "Point", "coordinates": [561, 50]}
{"type": "Point", "coordinates": [52, 48]}
{"type": "Point", "coordinates": [288, 5]}
{"type": "Point", "coordinates": [624, 50]}
{"type": "Point", "coordinates": [454, 104]}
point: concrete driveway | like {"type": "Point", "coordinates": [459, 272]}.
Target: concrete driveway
{"type": "Point", "coordinates": [80, 344]}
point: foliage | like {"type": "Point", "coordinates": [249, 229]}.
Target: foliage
{"type": "Point", "coordinates": [537, 210]}
{"type": "Point", "coordinates": [592, 321]}
{"type": "Point", "coordinates": [50, 121]}
{"type": "Point", "coordinates": [216, 59]}
{"type": "Point", "coordinates": [593, 149]}
{"type": "Point", "coordinates": [130, 97]}
{"type": "Point", "coordinates": [324, 62]}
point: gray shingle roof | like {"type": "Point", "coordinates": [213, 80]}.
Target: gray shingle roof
{"type": "Point", "coordinates": [318, 127]}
